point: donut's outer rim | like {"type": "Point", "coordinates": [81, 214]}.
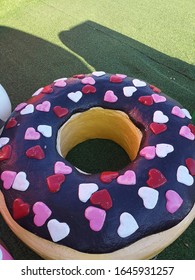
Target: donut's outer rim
{"type": "Point", "coordinates": [145, 248]}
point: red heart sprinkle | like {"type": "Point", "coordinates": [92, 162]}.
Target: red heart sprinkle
{"type": "Point", "coordinates": [60, 112]}
{"type": "Point", "coordinates": [190, 162]}
{"type": "Point", "coordinates": [79, 76]}
{"type": "Point", "coordinates": [155, 89]}
{"type": "Point", "coordinates": [192, 128]}
{"type": "Point", "coordinates": [102, 198]}
{"type": "Point", "coordinates": [146, 100]}
{"type": "Point", "coordinates": [108, 176]}
{"type": "Point", "coordinates": [156, 178]}
{"type": "Point", "coordinates": [54, 182]}
{"type": "Point", "coordinates": [5, 152]}
{"type": "Point", "coordinates": [20, 209]}
{"type": "Point", "coordinates": [35, 152]}
{"type": "Point", "coordinates": [158, 128]}
{"type": "Point", "coordinates": [47, 89]}
{"type": "Point", "coordinates": [11, 123]}
{"type": "Point", "coordinates": [115, 79]}
{"type": "Point", "coordinates": [88, 89]}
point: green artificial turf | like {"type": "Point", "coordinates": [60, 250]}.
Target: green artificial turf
{"type": "Point", "coordinates": [42, 40]}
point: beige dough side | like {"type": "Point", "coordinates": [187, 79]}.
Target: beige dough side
{"type": "Point", "coordinates": [145, 248]}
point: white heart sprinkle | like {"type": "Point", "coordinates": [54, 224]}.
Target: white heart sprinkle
{"type": "Point", "coordinates": [57, 230]}
{"type": "Point", "coordinates": [20, 183]}
{"type": "Point", "coordinates": [183, 176]}
{"type": "Point", "coordinates": [75, 96]}
{"type": "Point", "coordinates": [45, 130]}
{"type": "Point", "coordinates": [149, 196]}
{"type": "Point", "coordinates": [186, 113]}
{"type": "Point", "coordinates": [159, 117]}
{"type": "Point", "coordinates": [163, 149]}
{"type": "Point", "coordinates": [4, 141]}
{"type": "Point", "coordinates": [128, 91]}
{"type": "Point", "coordinates": [29, 109]}
{"type": "Point", "coordinates": [98, 73]}
{"type": "Point", "coordinates": [86, 190]}
{"type": "Point", "coordinates": [128, 225]}
{"type": "Point", "coordinates": [139, 83]}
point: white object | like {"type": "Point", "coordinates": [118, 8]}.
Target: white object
{"type": "Point", "coordinates": [5, 104]}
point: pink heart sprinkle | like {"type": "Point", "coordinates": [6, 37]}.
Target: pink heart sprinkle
{"type": "Point", "coordinates": [174, 201]}
{"type": "Point", "coordinates": [178, 112]}
{"type": "Point", "coordinates": [128, 178]}
{"type": "Point", "coordinates": [96, 217]}
{"type": "Point", "coordinates": [148, 152]}
{"type": "Point", "coordinates": [60, 83]}
{"type": "Point", "coordinates": [20, 106]}
{"type": "Point", "coordinates": [31, 134]}
{"type": "Point", "coordinates": [186, 132]}
{"type": "Point", "coordinates": [44, 107]}
{"type": "Point", "coordinates": [42, 213]}
{"type": "Point", "coordinates": [62, 168]}
{"type": "Point", "coordinates": [158, 98]}
{"type": "Point", "coordinates": [8, 178]}
{"type": "Point", "coordinates": [88, 80]}
{"type": "Point", "coordinates": [110, 96]}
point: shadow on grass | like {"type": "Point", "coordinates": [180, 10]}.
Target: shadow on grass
{"type": "Point", "coordinates": [113, 52]}
{"type": "Point", "coordinates": [29, 62]}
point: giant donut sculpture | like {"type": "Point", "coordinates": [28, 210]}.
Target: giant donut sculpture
{"type": "Point", "coordinates": [64, 213]}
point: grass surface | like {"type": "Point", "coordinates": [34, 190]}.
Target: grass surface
{"type": "Point", "coordinates": [153, 40]}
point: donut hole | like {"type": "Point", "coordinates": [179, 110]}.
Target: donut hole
{"type": "Point", "coordinates": [100, 124]}
{"type": "Point", "coordinates": [97, 155]}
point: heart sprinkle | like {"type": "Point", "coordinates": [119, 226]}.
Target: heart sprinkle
{"type": "Point", "coordinates": [129, 90]}
{"type": "Point", "coordinates": [20, 182]}
{"type": "Point", "coordinates": [29, 109]}
{"type": "Point", "coordinates": [75, 96]}
{"type": "Point", "coordinates": [60, 111]}
{"type": "Point", "coordinates": [139, 83]}
{"type": "Point", "coordinates": [5, 152]}
{"type": "Point", "coordinates": [178, 112]}
{"type": "Point", "coordinates": [149, 196]}
{"type": "Point", "coordinates": [110, 96]}
{"type": "Point", "coordinates": [115, 79]}
{"type": "Point", "coordinates": [57, 230]}
{"type": "Point", "coordinates": [128, 178]}
{"type": "Point", "coordinates": [158, 128]}
{"type": "Point", "coordinates": [4, 141]}
{"type": "Point", "coordinates": [186, 132]}
{"type": "Point", "coordinates": [102, 198]}
{"type": "Point", "coordinates": [88, 89]}
{"type": "Point", "coordinates": [146, 100]}
{"type": "Point", "coordinates": [128, 225]}
{"type": "Point", "coordinates": [174, 201]}
{"type": "Point", "coordinates": [35, 152]}
{"type": "Point", "coordinates": [54, 182]}
{"type": "Point", "coordinates": [162, 150]}
{"type": "Point", "coordinates": [159, 117]}
{"type": "Point", "coordinates": [61, 168]}
{"type": "Point", "coordinates": [158, 98]}
{"type": "Point", "coordinates": [42, 213]}
{"type": "Point", "coordinates": [8, 178]}
{"type": "Point", "coordinates": [96, 217]}
{"type": "Point", "coordinates": [88, 80]}
{"type": "Point", "coordinates": [45, 130]}
{"type": "Point", "coordinates": [148, 152]}
{"type": "Point", "coordinates": [44, 107]}
{"type": "Point", "coordinates": [108, 176]}
{"type": "Point", "coordinates": [20, 209]}
{"type": "Point", "coordinates": [183, 176]}
{"type": "Point", "coordinates": [31, 134]}
{"type": "Point", "coordinates": [156, 178]}
{"type": "Point", "coordinates": [86, 190]}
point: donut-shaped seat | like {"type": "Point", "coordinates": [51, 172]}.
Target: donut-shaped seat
{"type": "Point", "coordinates": [63, 213]}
